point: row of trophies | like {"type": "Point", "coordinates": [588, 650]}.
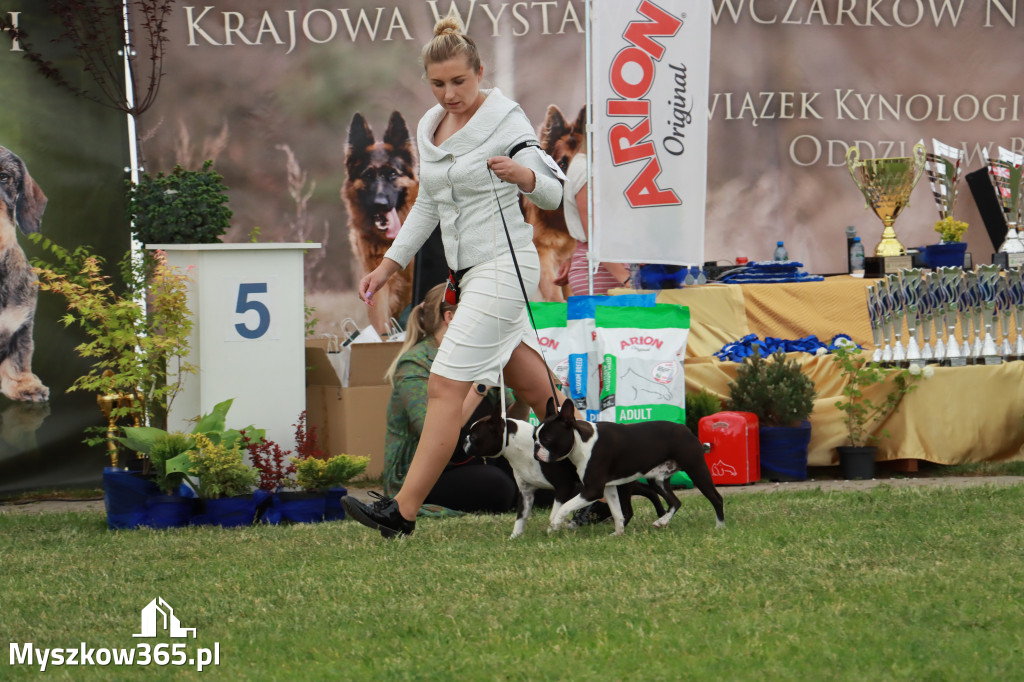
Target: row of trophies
{"type": "Point", "coordinates": [967, 310]}
{"type": "Point", "coordinates": [887, 183]}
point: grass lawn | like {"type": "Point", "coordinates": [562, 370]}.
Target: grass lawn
{"type": "Point", "coordinates": [888, 584]}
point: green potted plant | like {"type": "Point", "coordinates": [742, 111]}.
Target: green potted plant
{"type": "Point", "coordinates": [225, 482]}
{"type": "Point", "coordinates": [700, 404]}
{"type": "Point", "coordinates": [861, 413]}
{"type": "Point", "coordinates": [782, 397]}
{"type": "Point", "coordinates": [130, 345]}
{"type": "Point", "coordinates": [169, 509]}
{"type": "Point", "coordinates": [949, 252]}
{"type": "Point", "coordinates": [184, 207]}
{"type": "Point", "coordinates": [327, 478]}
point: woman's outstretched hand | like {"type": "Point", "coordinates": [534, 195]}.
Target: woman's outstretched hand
{"type": "Point", "coordinates": [372, 282]}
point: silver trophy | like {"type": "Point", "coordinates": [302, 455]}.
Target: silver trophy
{"type": "Point", "coordinates": [928, 304]}
{"type": "Point", "coordinates": [950, 287]}
{"type": "Point", "coordinates": [875, 318]}
{"type": "Point", "coordinates": [1015, 286]}
{"type": "Point", "coordinates": [1004, 308]}
{"type": "Point", "coordinates": [883, 306]}
{"type": "Point", "coordinates": [898, 312]}
{"type": "Point", "coordinates": [1005, 173]}
{"type": "Point", "coordinates": [971, 301]}
{"type": "Point", "coordinates": [944, 173]}
{"type": "Point", "coordinates": [910, 291]}
{"type": "Point", "coordinates": [988, 287]}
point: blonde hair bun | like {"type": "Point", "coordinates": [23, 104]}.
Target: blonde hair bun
{"type": "Point", "coordinates": [449, 25]}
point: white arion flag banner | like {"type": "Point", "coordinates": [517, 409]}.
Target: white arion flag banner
{"type": "Point", "coordinates": [650, 64]}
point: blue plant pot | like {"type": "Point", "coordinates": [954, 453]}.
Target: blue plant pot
{"type": "Point", "coordinates": [124, 495]}
{"type": "Point", "coordinates": [945, 255]}
{"type": "Point", "coordinates": [170, 511]}
{"type": "Point", "coordinates": [333, 511]}
{"type": "Point", "coordinates": [227, 512]}
{"type": "Point", "coordinates": [301, 507]}
{"type": "Point", "coordinates": [784, 452]}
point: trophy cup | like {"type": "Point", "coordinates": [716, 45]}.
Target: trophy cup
{"type": "Point", "coordinates": [1004, 306]}
{"type": "Point", "coordinates": [927, 307]}
{"type": "Point", "coordinates": [1006, 176]}
{"type": "Point", "coordinates": [950, 286]}
{"type": "Point", "coordinates": [971, 304]}
{"type": "Point", "coordinates": [988, 287]}
{"type": "Point", "coordinates": [898, 311]}
{"type": "Point", "coordinates": [886, 185]}
{"type": "Point", "coordinates": [938, 309]}
{"type": "Point", "coordinates": [944, 174]}
{"type": "Point", "coordinates": [1015, 287]}
{"type": "Point", "coordinates": [875, 318]}
{"type": "Point", "coordinates": [910, 292]}
{"type": "Point", "coordinates": [883, 310]}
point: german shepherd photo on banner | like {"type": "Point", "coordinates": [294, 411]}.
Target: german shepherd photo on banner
{"type": "Point", "coordinates": [379, 190]}
{"type": "Point", "coordinates": [550, 234]}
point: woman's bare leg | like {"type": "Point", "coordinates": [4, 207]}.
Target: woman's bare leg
{"type": "Point", "coordinates": [527, 375]}
{"type": "Point", "coordinates": [437, 442]}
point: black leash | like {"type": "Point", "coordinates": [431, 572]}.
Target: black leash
{"type": "Point", "coordinates": [515, 262]}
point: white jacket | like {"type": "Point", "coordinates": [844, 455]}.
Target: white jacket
{"type": "Point", "coordinates": [455, 186]}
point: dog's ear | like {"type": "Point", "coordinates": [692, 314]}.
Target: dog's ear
{"type": "Point", "coordinates": [397, 137]}
{"type": "Point", "coordinates": [568, 412]}
{"type": "Point", "coordinates": [554, 128]}
{"type": "Point", "coordinates": [360, 139]}
{"type": "Point", "coordinates": [496, 415]}
{"type": "Point", "coordinates": [28, 209]}
{"type": "Point", "coordinates": [549, 410]}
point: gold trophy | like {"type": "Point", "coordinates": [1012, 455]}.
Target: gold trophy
{"type": "Point", "coordinates": [886, 185]}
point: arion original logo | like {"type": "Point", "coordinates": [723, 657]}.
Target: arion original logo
{"type": "Point", "coordinates": [158, 614]}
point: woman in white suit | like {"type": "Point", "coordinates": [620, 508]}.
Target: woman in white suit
{"type": "Point", "coordinates": [473, 145]}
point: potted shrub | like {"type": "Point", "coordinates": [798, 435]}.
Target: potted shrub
{"type": "Point", "coordinates": [861, 413]}
{"type": "Point", "coordinates": [169, 509]}
{"type": "Point", "coordinates": [782, 397]}
{"type": "Point", "coordinates": [130, 345]}
{"type": "Point", "coordinates": [699, 405]}
{"type": "Point", "coordinates": [184, 207]}
{"type": "Point", "coordinates": [328, 477]}
{"type": "Point", "coordinates": [949, 252]}
{"type": "Point", "coordinates": [225, 482]}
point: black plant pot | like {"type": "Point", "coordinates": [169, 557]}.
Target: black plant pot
{"type": "Point", "coordinates": [857, 463]}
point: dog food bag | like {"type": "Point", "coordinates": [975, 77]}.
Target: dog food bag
{"type": "Point", "coordinates": [553, 334]}
{"type": "Point", "coordinates": [642, 353]}
{"type": "Point", "coordinates": [584, 360]}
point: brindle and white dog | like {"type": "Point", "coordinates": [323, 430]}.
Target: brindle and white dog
{"type": "Point", "coordinates": [21, 206]}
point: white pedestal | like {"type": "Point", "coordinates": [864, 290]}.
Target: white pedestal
{"type": "Point", "coordinates": [248, 335]}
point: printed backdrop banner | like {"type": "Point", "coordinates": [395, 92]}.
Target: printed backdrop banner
{"type": "Point", "coordinates": [650, 66]}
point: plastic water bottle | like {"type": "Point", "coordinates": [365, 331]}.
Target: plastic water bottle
{"type": "Point", "coordinates": [851, 233]}
{"type": "Point", "coordinates": [857, 258]}
{"type": "Point", "coordinates": [780, 252]}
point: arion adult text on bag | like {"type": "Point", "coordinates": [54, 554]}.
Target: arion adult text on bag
{"type": "Point", "coordinates": [584, 383]}
{"type": "Point", "coordinates": [642, 352]}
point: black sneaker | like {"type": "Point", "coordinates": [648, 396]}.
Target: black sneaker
{"type": "Point", "coordinates": [595, 512]}
{"type": "Point", "coordinates": [382, 515]}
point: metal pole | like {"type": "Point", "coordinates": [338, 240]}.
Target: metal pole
{"type": "Point", "coordinates": [588, 18]}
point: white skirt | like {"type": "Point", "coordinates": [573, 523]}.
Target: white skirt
{"type": "Point", "coordinates": [491, 320]}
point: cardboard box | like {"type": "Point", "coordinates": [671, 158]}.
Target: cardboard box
{"type": "Point", "coordinates": [350, 420]}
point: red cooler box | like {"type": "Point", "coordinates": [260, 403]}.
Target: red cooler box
{"type": "Point", "coordinates": [734, 458]}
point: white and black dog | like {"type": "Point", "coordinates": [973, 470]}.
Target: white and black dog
{"type": "Point", "coordinates": [607, 455]}
{"type": "Point", "coordinates": [493, 436]}
{"type": "Point", "coordinates": [21, 206]}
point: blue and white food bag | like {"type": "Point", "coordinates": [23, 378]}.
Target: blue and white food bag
{"type": "Point", "coordinates": [584, 380]}
{"type": "Point", "coordinates": [642, 352]}
{"type": "Point", "coordinates": [553, 335]}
